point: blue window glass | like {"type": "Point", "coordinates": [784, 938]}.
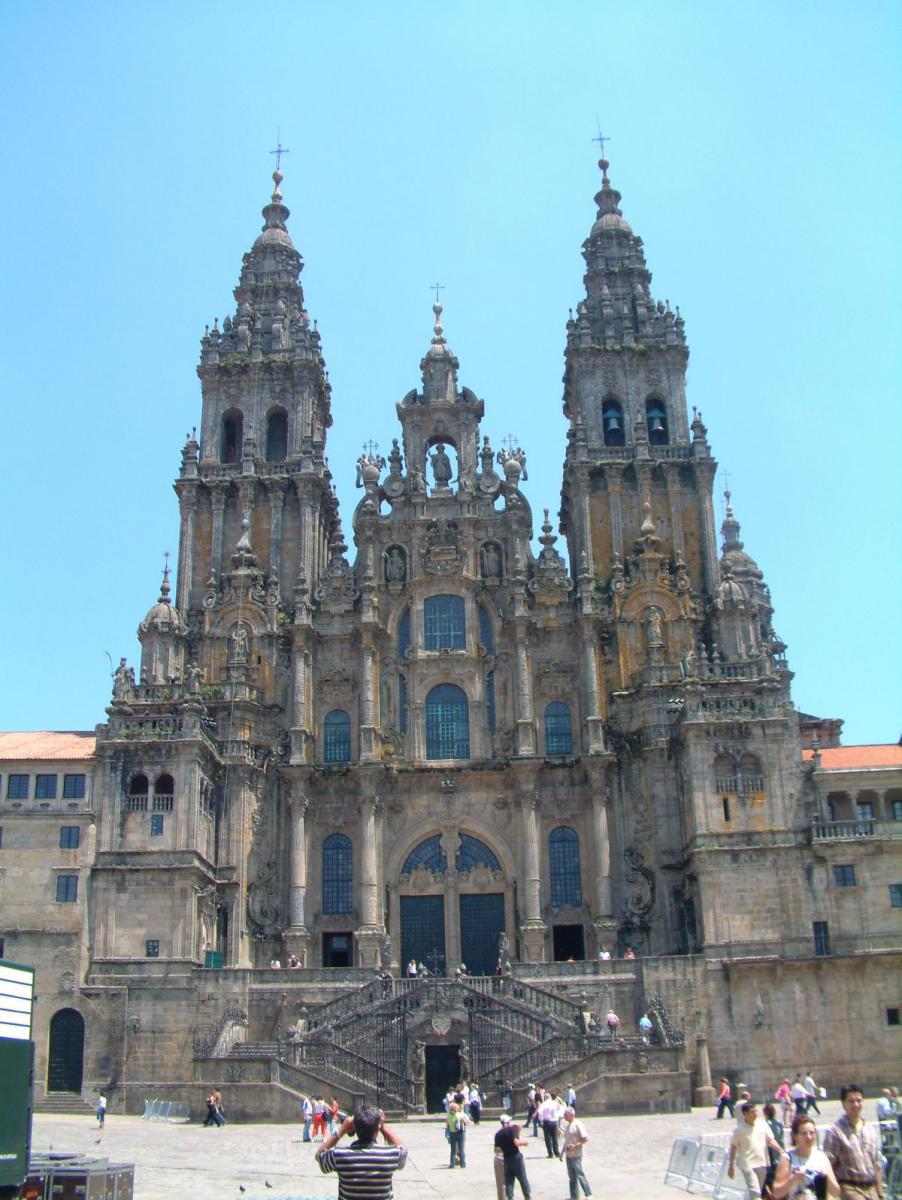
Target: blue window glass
{"type": "Point", "coordinates": [895, 895]}
{"type": "Point", "coordinates": [428, 854]}
{"type": "Point", "coordinates": [337, 737]}
{"type": "Point", "coordinates": [17, 787]}
{"type": "Point", "coordinates": [404, 634]}
{"type": "Point", "coordinates": [821, 930]}
{"type": "Point", "coordinates": [844, 875]}
{"type": "Point", "coordinates": [558, 731]}
{"type": "Point", "coordinates": [490, 699]}
{"type": "Point", "coordinates": [447, 723]}
{"type": "Point", "coordinates": [45, 787]}
{"type": "Point", "coordinates": [485, 630]}
{"type": "Point", "coordinates": [157, 821]}
{"type": "Point", "coordinates": [473, 853]}
{"type": "Point", "coordinates": [66, 889]}
{"type": "Point", "coordinates": [402, 703]}
{"type": "Point", "coordinates": [338, 874]}
{"type": "Point", "coordinates": [73, 787]}
{"type": "Point", "coordinates": [563, 855]}
{"type": "Point", "coordinates": [70, 836]}
{"type": "Point", "coordinates": [445, 623]}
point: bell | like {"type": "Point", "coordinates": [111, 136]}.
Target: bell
{"type": "Point", "coordinates": [656, 425]}
{"type": "Point", "coordinates": [611, 424]}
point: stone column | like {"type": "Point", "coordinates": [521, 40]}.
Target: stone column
{"type": "Point", "coordinates": [367, 747]}
{"type": "Point", "coordinates": [277, 490]}
{"type": "Point", "coordinates": [586, 510]}
{"type": "Point", "coordinates": [450, 841]}
{"type": "Point", "coordinates": [370, 930]}
{"type": "Point", "coordinates": [703, 1094]}
{"type": "Point", "coordinates": [297, 937]}
{"type": "Point", "coordinates": [188, 509]}
{"type": "Point", "coordinates": [526, 733]}
{"type": "Point", "coordinates": [532, 927]}
{"type": "Point", "coordinates": [299, 722]}
{"type": "Point", "coordinates": [594, 721]}
{"type": "Point", "coordinates": [217, 502]}
{"type": "Point", "coordinates": [602, 848]}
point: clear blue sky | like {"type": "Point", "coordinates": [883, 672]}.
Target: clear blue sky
{"type": "Point", "coordinates": [757, 149]}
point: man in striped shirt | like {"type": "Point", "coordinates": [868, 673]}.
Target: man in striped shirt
{"type": "Point", "coordinates": [364, 1168]}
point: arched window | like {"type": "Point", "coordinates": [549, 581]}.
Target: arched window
{"type": "Point", "coordinates": [277, 435]}
{"type": "Point", "coordinates": [725, 774]}
{"type": "Point", "coordinates": [563, 855]}
{"type": "Point", "coordinates": [232, 436]}
{"type": "Point", "coordinates": [447, 723]}
{"type": "Point", "coordinates": [558, 729]}
{"type": "Point", "coordinates": [656, 420]}
{"type": "Point", "coordinates": [486, 635]}
{"type": "Point", "coordinates": [612, 423]}
{"type": "Point", "coordinates": [445, 623]}
{"type": "Point", "coordinates": [471, 852]}
{"type": "Point", "coordinates": [490, 700]}
{"type": "Point", "coordinates": [751, 777]}
{"type": "Point", "coordinates": [337, 737]}
{"type": "Point", "coordinates": [338, 875]}
{"type": "Point", "coordinates": [404, 634]}
{"type": "Point", "coordinates": [163, 793]}
{"type": "Point", "coordinates": [137, 794]}
{"type": "Point", "coordinates": [428, 854]}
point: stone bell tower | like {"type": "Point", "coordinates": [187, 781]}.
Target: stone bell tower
{"type": "Point", "coordinates": [687, 649]}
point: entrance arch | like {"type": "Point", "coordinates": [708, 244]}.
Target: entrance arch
{"type": "Point", "coordinates": [66, 1052]}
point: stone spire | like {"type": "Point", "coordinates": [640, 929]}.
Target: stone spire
{"type": "Point", "coordinates": [619, 309]}
{"type": "Point", "coordinates": [270, 317]}
{"type": "Point", "coordinates": [439, 365]}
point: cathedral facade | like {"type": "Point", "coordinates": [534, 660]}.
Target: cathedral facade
{"type": "Point", "coordinates": [449, 736]}
{"type": "Point", "coordinates": [445, 746]}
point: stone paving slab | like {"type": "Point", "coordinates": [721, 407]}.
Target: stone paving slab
{"type": "Point", "coordinates": [626, 1157]}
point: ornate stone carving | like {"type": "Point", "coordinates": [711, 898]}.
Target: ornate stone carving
{"type": "Point", "coordinates": [337, 684]}
{"type": "Point", "coordinates": [442, 553]}
{"type": "Point", "coordinates": [262, 907]}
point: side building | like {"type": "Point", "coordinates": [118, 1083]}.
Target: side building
{"type": "Point", "coordinates": [452, 748]}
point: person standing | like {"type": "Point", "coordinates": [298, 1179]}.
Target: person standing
{"type": "Point", "coordinates": [457, 1128]}
{"type": "Point", "coordinates": [853, 1148]}
{"type": "Point", "coordinates": [550, 1113]}
{"type": "Point", "coordinates": [810, 1093]}
{"type": "Point", "coordinates": [571, 1097]}
{"type": "Point", "coordinates": [575, 1137]}
{"type": "Point", "coordinates": [364, 1168]}
{"type": "Point", "coordinates": [475, 1103]}
{"type": "Point", "coordinates": [509, 1142]}
{"type": "Point", "coordinates": [805, 1172]}
{"type": "Point", "coordinates": [646, 1027]}
{"type": "Point", "coordinates": [101, 1110]}
{"type": "Point", "coordinates": [613, 1023]}
{"type": "Point", "coordinates": [306, 1109]}
{"type": "Point", "coordinates": [783, 1096]}
{"type": "Point", "coordinates": [799, 1096]}
{"type": "Point", "coordinates": [724, 1098]}
{"type": "Point", "coordinates": [748, 1148]}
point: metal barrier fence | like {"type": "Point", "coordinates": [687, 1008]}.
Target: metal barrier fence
{"type": "Point", "coordinates": [166, 1110]}
{"type": "Point", "coordinates": [701, 1168]}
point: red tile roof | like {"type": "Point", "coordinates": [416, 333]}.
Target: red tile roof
{"type": "Point", "coordinates": [76, 744]}
{"type": "Point", "coordinates": [854, 758]}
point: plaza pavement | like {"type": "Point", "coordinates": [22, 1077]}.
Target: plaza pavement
{"type": "Point", "coordinates": [625, 1159]}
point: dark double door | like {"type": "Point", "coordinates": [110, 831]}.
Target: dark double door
{"type": "Point", "coordinates": [423, 931]}
{"type": "Point", "coordinates": [66, 1053]}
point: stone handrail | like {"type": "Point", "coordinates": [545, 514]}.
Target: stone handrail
{"type": "Point", "coordinates": [798, 948]}
{"type": "Point", "coordinates": [842, 830]}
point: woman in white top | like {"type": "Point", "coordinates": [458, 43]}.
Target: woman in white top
{"type": "Point", "coordinates": [805, 1172]}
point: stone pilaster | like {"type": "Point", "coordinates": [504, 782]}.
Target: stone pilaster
{"type": "Point", "coordinates": [603, 919]}
{"type": "Point", "coordinates": [187, 511]}
{"type": "Point", "coordinates": [526, 730]}
{"type": "Point", "coordinates": [217, 502]}
{"type": "Point", "coordinates": [371, 929]}
{"type": "Point", "coordinates": [298, 937]}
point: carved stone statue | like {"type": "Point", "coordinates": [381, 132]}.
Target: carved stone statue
{"type": "Point", "coordinates": [441, 466]}
{"type": "Point", "coordinates": [463, 1054]}
{"type": "Point", "coordinates": [419, 1060]}
{"type": "Point", "coordinates": [123, 681]}
{"type": "Point", "coordinates": [491, 561]}
{"type": "Point", "coordinates": [395, 565]}
{"type": "Point", "coordinates": [193, 676]}
{"type": "Point", "coordinates": [655, 629]}
{"type": "Point", "coordinates": [239, 645]}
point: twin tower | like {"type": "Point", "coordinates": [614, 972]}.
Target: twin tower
{"type": "Point", "coordinates": [449, 739]}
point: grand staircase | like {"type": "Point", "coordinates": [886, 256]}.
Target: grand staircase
{"type": "Point", "coordinates": [364, 1043]}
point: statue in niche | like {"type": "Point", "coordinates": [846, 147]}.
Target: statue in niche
{"type": "Point", "coordinates": [491, 561]}
{"type": "Point", "coordinates": [395, 565]}
{"type": "Point", "coordinates": [441, 466]}
{"type": "Point", "coordinates": [419, 1060]}
{"type": "Point", "coordinates": [239, 645]}
{"type": "Point", "coordinates": [655, 629]}
{"type": "Point", "coordinates": [463, 1054]}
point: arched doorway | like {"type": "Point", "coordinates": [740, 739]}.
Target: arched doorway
{"type": "Point", "coordinates": [65, 1058]}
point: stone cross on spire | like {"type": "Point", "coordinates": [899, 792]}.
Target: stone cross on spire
{"type": "Point", "coordinates": [601, 138]}
{"type": "Point", "coordinates": [439, 287]}
{"type": "Point", "coordinates": [278, 152]}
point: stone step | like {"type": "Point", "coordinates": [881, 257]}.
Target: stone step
{"type": "Point", "coordinates": [64, 1102]}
